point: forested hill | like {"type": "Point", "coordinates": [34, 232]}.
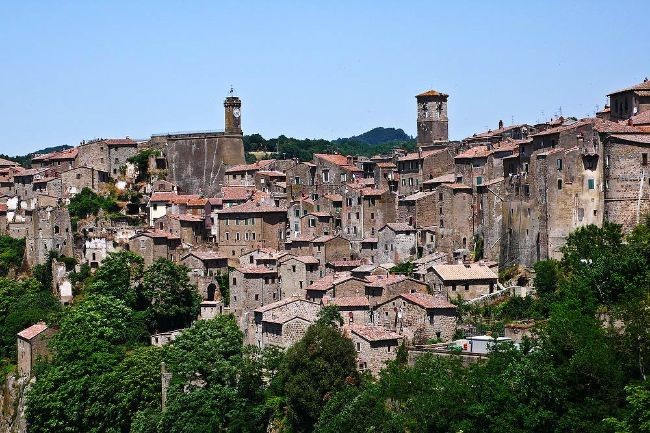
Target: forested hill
{"type": "Point", "coordinates": [375, 141]}
{"type": "Point", "coordinates": [25, 160]}
{"type": "Point", "coordinates": [378, 135]}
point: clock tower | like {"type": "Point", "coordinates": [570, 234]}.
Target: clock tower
{"type": "Point", "coordinates": [433, 125]}
{"type": "Point", "coordinates": [232, 106]}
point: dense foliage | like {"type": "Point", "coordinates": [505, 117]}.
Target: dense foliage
{"type": "Point", "coordinates": [11, 254]}
{"type": "Point", "coordinates": [141, 161]}
{"type": "Point", "coordinates": [376, 141]}
{"type": "Point", "coordinates": [88, 202]}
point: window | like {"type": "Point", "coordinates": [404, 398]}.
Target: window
{"type": "Point", "coordinates": [297, 213]}
{"type": "Point", "coordinates": [372, 215]}
{"type": "Point", "coordinates": [155, 206]}
{"type": "Point", "coordinates": [312, 222]}
{"type": "Point", "coordinates": [442, 224]}
{"type": "Point", "coordinates": [479, 180]}
{"type": "Point", "coordinates": [357, 215]}
{"type": "Point", "coordinates": [559, 184]}
{"type": "Point", "coordinates": [606, 160]}
{"type": "Point", "coordinates": [78, 175]}
{"type": "Point", "coordinates": [440, 211]}
{"type": "Point", "coordinates": [237, 236]}
{"type": "Point", "coordinates": [358, 347]}
{"type": "Point", "coordinates": [453, 287]}
{"type": "Point", "coordinates": [591, 183]}
{"type": "Point", "coordinates": [234, 280]}
{"type": "Point", "coordinates": [296, 180]}
{"type": "Point", "coordinates": [559, 164]}
{"type": "Point", "coordinates": [326, 175]}
{"type": "Point", "coordinates": [257, 297]}
{"type": "Point", "coordinates": [227, 236]}
{"type": "Point", "coordinates": [143, 244]}
{"type": "Point", "coordinates": [525, 167]}
{"type": "Point", "coordinates": [344, 177]}
{"type": "Point", "coordinates": [527, 190]}
{"type": "Point", "coordinates": [467, 287]}
{"type": "Point", "coordinates": [293, 268]}
{"type": "Point", "coordinates": [644, 159]}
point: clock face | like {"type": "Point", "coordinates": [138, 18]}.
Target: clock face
{"type": "Point", "coordinates": [236, 112]}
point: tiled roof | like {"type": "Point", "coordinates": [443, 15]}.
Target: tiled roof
{"type": "Point", "coordinates": [445, 178]}
{"type": "Point", "coordinates": [349, 301]}
{"type": "Point", "coordinates": [640, 119]}
{"type": "Point", "coordinates": [373, 333]}
{"type": "Point", "coordinates": [187, 217]}
{"type": "Point", "coordinates": [215, 201]}
{"type": "Point", "coordinates": [418, 195]}
{"type": "Point", "coordinates": [60, 155]}
{"type": "Point", "coordinates": [259, 165]}
{"type": "Point", "coordinates": [259, 270]}
{"type": "Point", "coordinates": [155, 234]}
{"type": "Point", "coordinates": [272, 173]}
{"type": "Point", "coordinates": [7, 163]}
{"type": "Point", "coordinates": [237, 193]}
{"type": "Point", "coordinates": [329, 281]}
{"type": "Point", "coordinates": [566, 127]}
{"type": "Point", "coordinates": [163, 196]}
{"type": "Point", "coordinates": [373, 191]}
{"type": "Point", "coordinates": [252, 207]}
{"type": "Point", "coordinates": [604, 125]}
{"type": "Point", "coordinates": [645, 85]}
{"type": "Point", "coordinates": [635, 138]}
{"type": "Point", "coordinates": [415, 155]}
{"type": "Point", "coordinates": [431, 93]}
{"type": "Point", "coordinates": [324, 238]}
{"type": "Point", "coordinates": [483, 151]}
{"type": "Point", "coordinates": [206, 255]}
{"type": "Point", "coordinates": [384, 280]}
{"type": "Point", "coordinates": [332, 159]}
{"type": "Point", "coordinates": [456, 186]}
{"type": "Point", "coordinates": [347, 263]}
{"type": "Point", "coordinates": [370, 240]}
{"type": "Point", "coordinates": [197, 201]}
{"type": "Point", "coordinates": [427, 301]}
{"type": "Point", "coordinates": [281, 317]}
{"type": "Point", "coordinates": [400, 227]}
{"type": "Point", "coordinates": [386, 165]}
{"type": "Point", "coordinates": [32, 331]}
{"type": "Point", "coordinates": [464, 272]}
{"type": "Point", "coordinates": [308, 260]}
{"type": "Point", "coordinates": [120, 142]}
{"type": "Point", "coordinates": [3, 207]}
{"type": "Point", "coordinates": [280, 303]}
{"type": "Point", "coordinates": [334, 197]}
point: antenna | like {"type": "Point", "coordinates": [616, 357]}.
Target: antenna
{"type": "Point", "coordinates": [231, 93]}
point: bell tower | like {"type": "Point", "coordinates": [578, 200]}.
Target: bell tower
{"type": "Point", "coordinates": [433, 125]}
{"type": "Point", "coordinates": [232, 106]}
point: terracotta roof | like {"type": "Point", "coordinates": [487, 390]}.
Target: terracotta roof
{"type": "Point", "coordinates": [332, 159]}
{"type": "Point", "coordinates": [347, 263]}
{"type": "Point", "coordinates": [329, 281]}
{"type": "Point", "coordinates": [215, 201]}
{"type": "Point", "coordinates": [7, 163]}
{"type": "Point", "coordinates": [3, 207]}
{"type": "Point", "coordinates": [464, 273]}
{"type": "Point", "coordinates": [30, 172]}
{"type": "Point", "coordinates": [415, 155]}
{"type": "Point", "coordinates": [250, 167]}
{"type": "Point", "coordinates": [645, 85]}
{"type": "Point", "coordinates": [456, 186]}
{"type": "Point", "coordinates": [280, 303]}
{"type": "Point", "coordinates": [255, 270]}
{"type": "Point", "coordinates": [640, 119]}
{"type": "Point", "coordinates": [386, 165]}
{"type": "Point", "coordinates": [604, 125]}
{"type": "Point", "coordinates": [427, 301]}
{"type": "Point", "coordinates": [272, 173]}
{"type": "Point", "coordinates": [384, 280]}
{"type": "Point", "coordinates": [565, 127]}
{"type": "Point", "coordinates": [187, 217]}
{"type": "Point", "coordinates": [309, 260]}
{"type": "Point", "coordinates": [155, 234]}
{"type": "Point", "coordinates": [120, 142]}
{"type": "Point", "coordinates": [324, 238]}
{"type": "Point", "coordinates": [635, 138]}
{"type": "Point", "coordinates": [445, 178]}
{"type": "Point", "coordinates": [431, 93]}
{"type": "Point", "coordinates": [370, 240]}
{"type": "Point", "coordinates": [163, 196]}
{"type": "Point", "coordinates": [400, 227]}
{"type": "Point", "coordinates": [418, 195]}
{"type": "Point", "coordinates": [206, 255]}
{"type": "Point", "coordinates": [237, 193]}
{"type": "Point", "coordinates": [373, 333]}
{"type": "Point", "coordinates": [59, 155]}
{"type": "Point", "coordinates": [252, 207]}
{"type": "Point", "coordinates": [32, 331]}
{"type": "Point", "coordinates": [373, 191]}
{"type": "Point", "coordinates": [303, 238]}
{"type": "Point", "coordinates": [483, 151]}
{"type": "Point", "coordinates": [196, 201]}
{"type": "Point", "coordinates": [318, 214]}
{"type": "Point", "coordinates": [281, 317]}
{"type": "Point", "coordinates": [349, 301]}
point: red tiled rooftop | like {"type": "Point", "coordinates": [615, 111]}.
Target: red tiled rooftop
{"type": "Point", "coordinates": [332, 159]}
{"type": "Point", "coordinates": [431, 93]}
{"type": "Point", "coordinates": [256, 166]}
{"type": "Point", "coordinates": [349, 301]}
{"type": "Point", "coordinates": [415, 155]}
{"type": "Point", "coordinates": [207, 255]}
{"type": "Point", "coordinates": [384, 280]}
{"type": "Point", "coordinates": [252, 207]}
{"type": "Point", "coordinates": [427, 301]}
{"type": "Point", "coordinates": [255, 270]}
{"type": "Point", "coordinates": [237, 193]}
{"type": "Point", "coordinates": [120, 142]}
{"type": "Point", "coordinates": [163, 196]}
{"type": "Point", "coordinates": [645, 85]}
{"type": "Point", "coordinates": [373, 333]}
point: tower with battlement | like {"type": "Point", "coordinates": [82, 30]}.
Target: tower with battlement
{"type": "Point", "coordinates": [433, 124]}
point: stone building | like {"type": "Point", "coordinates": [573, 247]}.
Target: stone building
{"type": "Point", "coordinates": [204, 266]}
{"type": "Point", "coordinates": [155, 244]}
{"type": "Point", "coordinates": [335, 285]}
{"type": "Point", "coordinates": [250, 226]}
{"type": "Point", "coordinates": [47, 229]}
{"type": "Point", "coordinates": [58, 161]}
{"type": "Point", "coordinates": [267, 257]}
{"type": "Point", "coordinates": [375, 346]}
{"type": "Point", "coordinates": [630, 101]}
{"type": "Point", "coordinates": [397, 242]}
{"type": "Point", "coordinates": [468, 281]}
{"type": "Point", "coordinates": [432, 120]}
{"type": "Point", "coordinates": [296, 273]}
{"type": "Point", "coordinates": [353, 309]}
{"type": "Point", "coordinates": [419, 317]}
{"type": "Point", "coordinates": [366, 210]}
{"type": "Point", "coordinates": [416, 209]}
{"type": "Point", "coordinates": [197, 161]}
{"type": "Point", "coordinates": [32, 346]}
{"type": "Point", "coordinates": [78, 178]}
{"type": "Point", "coordinates": [283, 323]}
{"type": "Point", "coordinates": [380, 288]}
{"type": "Point", "coordinates": [416, 167]}
{"type": "Point", "coordinates": [252, 287]}
{"type": "Point", "coordinates": [244, 174]}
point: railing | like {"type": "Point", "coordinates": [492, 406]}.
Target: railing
{"type": "Point", "coordinates": [207, 131]}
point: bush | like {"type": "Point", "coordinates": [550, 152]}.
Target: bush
{"type": "Point", "coordinates": [87, 202]}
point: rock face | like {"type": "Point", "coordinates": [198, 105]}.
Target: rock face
{"type": "Point", "coordinates": [12, 404]}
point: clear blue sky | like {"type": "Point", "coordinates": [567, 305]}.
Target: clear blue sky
{"type": "Point", "coordinates": [76, 70]}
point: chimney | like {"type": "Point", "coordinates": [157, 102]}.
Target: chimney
{"type": "Point", "coordinates": [500, 124]}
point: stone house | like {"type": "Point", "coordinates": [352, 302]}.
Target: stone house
{"type": "Point", "coordinates": [396, 242]}
{"type": "Point", "coordinates": [204, 266]}
{"type": "Point", "coordinates": [385, 174]}
{"type": "Point", "coordinates": [189, 228]}
{"type": "Point", "coordinates": [338, 266]}
{"type": "Point", "coordinates": [48, 185]}
{"type": "Point", "coordinates": [335, 285]}
{"type": "Point", "coordinates": [267, 257]}
{"type": "Point", "coordinates": [244, 174]}
{"type": "Point", "coordinates": [316, 224]}
{"type": "Point", "coordinates": [630, 101]}
{"type": "Point", "coordinates": [119, 151]}
{"type": "Point", "coordinates": [251, 288]}
{"type": "Point", "coordinates": [283, 323]}
{"type": "Point", "coordinates": [297, 210]}
{"type": "Point", "coordinates": [419, 317]}
{"type": "Point", "coordinates": [375, 346]}
{"type": "Point", "coordinates": [380, 288]}
{"type": "Point", "coordinates": [250, 226]}
{"type": "Point", "coordinates": [32, 346]}
{"type": "Point", "coordinates": [329, 249]}
{"type": "Point", "coordinates": [162, 185]}
{"type": "Point", "coordinates": [154, 244]}
{"type": "Point", "coordinates": [416, 209]}
{"type": "Point", "coordinates": [454, 214]}
{"type": "Point", "coordinates": [96, 249]}
{"type": "Point", "coordinates": [365, 210]}
{"type": "Point", "coordinates": [296, 273]}
{"type": "Point", "coordinates": [416, 167]}
{"type": "Point", "coordinates": [353, 309]}
{"type": "Point", "coordinates": [47, 228]}
{"type": "Point", "coordinates": [468, 281]}
{"type": "Point", "coordinates": [271, 181]}
{"type": "Point", "coordinates": [58, 161]}
{"type": "Point", "coordinates": [78, 178]}
{"type": "Point", "coordinates": [301, 180]}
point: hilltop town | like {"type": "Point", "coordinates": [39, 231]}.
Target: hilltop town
{"type": "Point", "coordinates": [401, 246]}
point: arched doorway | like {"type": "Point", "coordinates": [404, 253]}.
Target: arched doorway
{"type": "Point", "coordinates": [212, 288]}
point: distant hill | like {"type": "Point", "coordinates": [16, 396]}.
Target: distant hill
{"type": "Point", "coordinates": [378, 135]}
{"type": "Point", "coordinates": [25, 160]}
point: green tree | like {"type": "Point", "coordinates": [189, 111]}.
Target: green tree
{"type": "Point", "coordinates": [329, 316]}
{"type": "Point", "coordinates": [88, 202]}
{"type": "Point", "coordinates": [404, 268]}
{"type": "Point", "coordinates": [547, 276]}
{"type": "Point", "coordinates": [11, 254]}
{"type": "Point", "coordinates": [173, 301]}
{"type": "Point", "coordinates": [120, 275]}
{"type": "Point", "coordinates": [637, 416]}
{"type": "Point", "coordinates": [313, 370]}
